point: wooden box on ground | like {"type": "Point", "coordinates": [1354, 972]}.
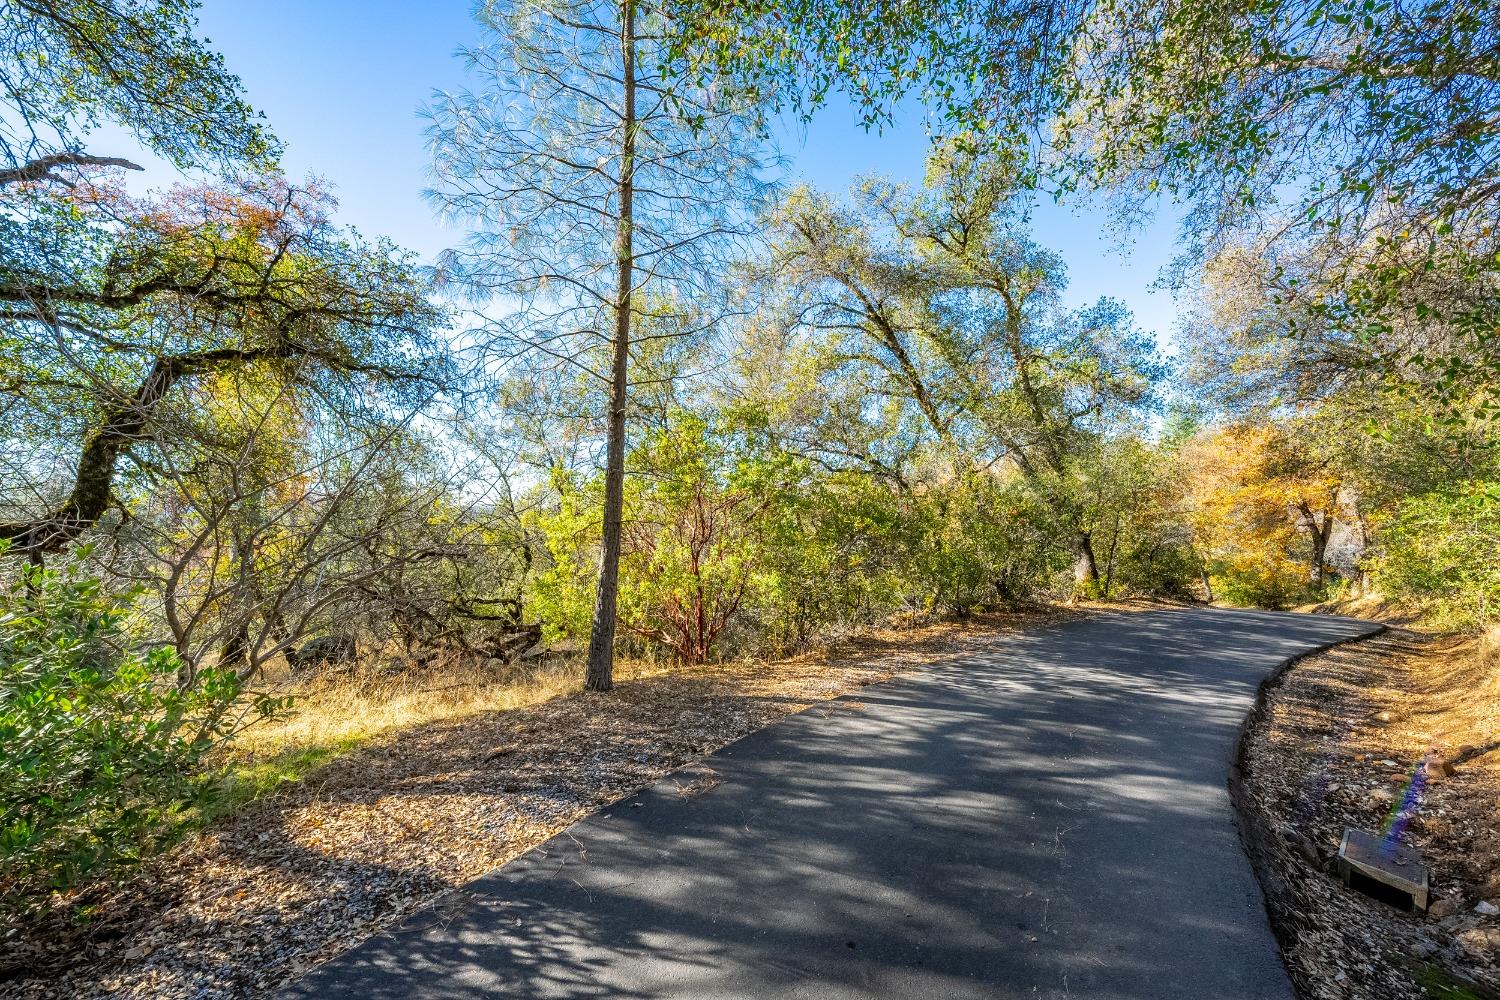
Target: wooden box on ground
{"type": "Point", "coordinates": [1384, 869]}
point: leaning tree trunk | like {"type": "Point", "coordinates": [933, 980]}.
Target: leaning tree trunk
{"type": "Point", "coordinates": [122, 425]}
{"type": "Point", "coordinates": [1085, 566]}
{"type": "Point", "coordinates": [600, 675]}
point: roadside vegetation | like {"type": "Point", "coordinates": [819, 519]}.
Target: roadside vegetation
{"type": "Point", "coordinates": [275, 491]}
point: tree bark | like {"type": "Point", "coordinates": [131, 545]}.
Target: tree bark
{"type": "Point", "coordinates": [600, 671]}
{"type": "Point", "coordinates": [1109, 559]}
{"type": "Point", "coordinates": [41, 168]}
{"type": "Point", "coordinates": [94, 477]}
{"type": "Point", "coordinates": [1319, 533]}
{"type": "Point", "coordinates": [1085, 566]}
{"type": "Point", "coordinates": [1319, 555]}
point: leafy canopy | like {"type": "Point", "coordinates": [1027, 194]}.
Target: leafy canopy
{"type": "Point", "coordinates": [66, 66]}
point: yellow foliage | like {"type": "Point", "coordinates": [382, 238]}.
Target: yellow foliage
{"type": "Point", "coordinates": [1255, 495]}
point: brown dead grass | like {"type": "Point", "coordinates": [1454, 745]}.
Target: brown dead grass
{"type": "Point", "coordinates": [341, 711]}
{"type": "Point", "coordinates": [1455, 698]}
{"type": "Point", "coordinates": [448, 783]}
{"type": "Point", "coordinates": [1343, 736]}
{"type": "Point", "coordinates": [344, 709]}
{"type": "Point", "coordinates": [1376, 607]}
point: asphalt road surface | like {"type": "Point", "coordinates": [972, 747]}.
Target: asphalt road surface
{"type": "Point", "coordinates": [1047, 818]}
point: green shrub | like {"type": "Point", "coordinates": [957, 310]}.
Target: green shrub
{"type": "Point", "coordinates": [102, 749]}
{"type": "Point", "coordinates": [827, 555]}
{"type": "Point", "coordinates": [562, 592]}
{"type": "Point", "coordinates": [1443, 549]}
{"type": "Point", "coordinates": [1255, 586]}
{"type": "Point", "coordinates": [1159, 568]}
{"type": "Point", "coordinates": [977, 541]}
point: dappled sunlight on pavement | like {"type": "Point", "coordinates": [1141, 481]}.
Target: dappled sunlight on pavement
{"type": "Point", "coordinates": [1048, 818]}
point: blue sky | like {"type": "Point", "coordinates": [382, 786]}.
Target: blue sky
{"type": "Point", "coordinates": [340, 82]}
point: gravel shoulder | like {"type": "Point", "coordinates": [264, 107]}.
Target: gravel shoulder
{"type": "Point", "coordinates": [1337, 744]}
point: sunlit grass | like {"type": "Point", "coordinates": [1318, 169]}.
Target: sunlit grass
{"type": "Point", "coordinates": [249, 778]}
{"type": "Point", "coordinates": [353, 708]}
{"type": "Point", "coordinates": [334, 715]}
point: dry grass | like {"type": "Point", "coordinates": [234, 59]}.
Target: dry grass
{"type": "Point", "coordinates": [1458, 693]}
{"type": "Point", "coordinates": [343, 710]}
{"type": "Point", "coordinates": [1345, 735]}
{"type": "Point", "coordinates": [351, 708]}
{"type": "Point", "coordinates": [1426, 617]}
{"type": "Point", "coordinates": [412, 788]}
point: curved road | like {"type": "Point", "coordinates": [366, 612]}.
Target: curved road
{"type": "Point", "coordinates": [1048, 818]}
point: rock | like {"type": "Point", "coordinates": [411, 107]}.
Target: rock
{"type": "Point", "coordinates": [324, 651]}
{"type": "Point", "coordinates": [1302, 844]}
{"type": "Point", "coordinates": [1436, 769]}
{"type": "Point", "coordinates": [1441, 909]}
{"type": "Point", "coordinates": [1382, 796]}
{"type": "Point", "coordinates": [1424, 949]}
{"type": "Point", "coordinates": [1486, 909]}
{"type": "Point", "coordinates": [1480, 941]}
{"type": "Point", "coordinates": [1383, 717]}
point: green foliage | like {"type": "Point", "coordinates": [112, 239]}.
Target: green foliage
{"type": "Point", "coordinates": [103, 748]}
{"type": "Point", "coordinates": [692, 540]}
{"type": "Point", "coordinates": [1443, 548]}
{"type": "Point", "coordinates": [731, 547]}
{"type": "Point", "coordinates": [978, 541]}
{"type": "Point", "coordinates": [1210, 97]}
{"type": "Point", "coordinates": [562, 593]}
{"type": "Point", "coordinates": [1255, 585]}
{"type": "Point", "coordinates": [1438, 984]}
{"type": "Point", "coordinates": [1354, 141]}
{"type": "Point", "coordinates": [245, 782]}
{"type": "Point", "coordinates": [1161, 563]}
{"type": "Point", "coordinates": [827, 547]}
{"type": "Point", "coordinates": [68, 64]}
{"type": "Point", "coordinates": [920, 426]}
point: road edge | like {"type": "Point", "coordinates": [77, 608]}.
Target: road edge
{"type": "Point", "coordinates": [1257, 836]}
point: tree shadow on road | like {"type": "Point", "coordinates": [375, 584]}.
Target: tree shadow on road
{"type": "Point", "coordinates": [1048, 818]}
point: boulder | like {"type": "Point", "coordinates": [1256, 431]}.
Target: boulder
{"type": "Point", "coordinates": [1442, 908]}
{"type": "Point", "coordinates": [321, 652]}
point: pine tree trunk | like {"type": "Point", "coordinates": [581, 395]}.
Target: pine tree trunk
{"type": "Point", "coordinates": [600, 676]}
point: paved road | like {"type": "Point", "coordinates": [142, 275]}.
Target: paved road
{"type": "Point", "coordinates": [1047, 819]}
